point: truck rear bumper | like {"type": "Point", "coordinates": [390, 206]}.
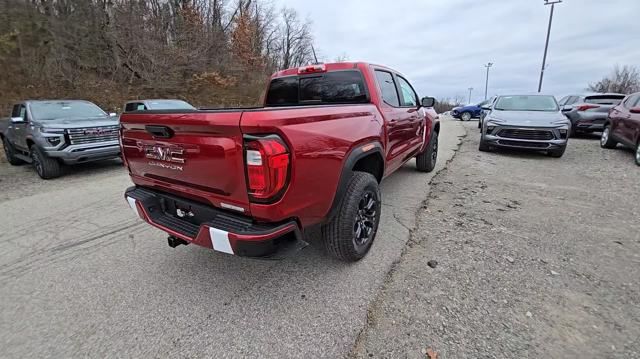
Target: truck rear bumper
{"type": "Point", "coordinates": [213, 228]}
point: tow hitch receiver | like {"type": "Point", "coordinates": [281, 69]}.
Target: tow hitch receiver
{"type": "Point", "coordinates": [175, 241]}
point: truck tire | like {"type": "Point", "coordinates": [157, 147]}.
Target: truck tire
{"type": "Point", "coordinates": [350, 233]}
{"type": "Point", "coordinates": [426, 161]}
{"type": "Point", "coordinates": [606, 141]}
{"type": "Point", "coordinates": [46, 167]}
{"type": "Point", "coordinates": [9, 153]}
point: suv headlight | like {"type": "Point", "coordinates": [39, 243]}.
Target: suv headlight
{"type": "Point", "coordinates": [59, 131]}
{"type": "Point", "coordinates": [54, 141]}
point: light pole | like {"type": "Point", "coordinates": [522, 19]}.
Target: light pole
{"type": "Point", "coordinates": [546, 45]}
{"type": "Point", "coordinates": [486, 84]}
{"type": "Point", "coordinates": [470, 89]}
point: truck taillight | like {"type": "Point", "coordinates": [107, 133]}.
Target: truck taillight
{"type": "Point", "coordinates": [267, 160]}
{"type": "Point", "coordinates": [586, 107]}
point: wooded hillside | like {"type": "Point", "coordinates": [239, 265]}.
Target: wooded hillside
{"type": "Point", "coordinates": [208, 52]}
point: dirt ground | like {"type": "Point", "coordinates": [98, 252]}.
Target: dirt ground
{"type": "Point", "coordinates": [536, 257]}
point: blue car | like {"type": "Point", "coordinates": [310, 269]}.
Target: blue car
{"type": "Point", "coordinates": [466, 113]}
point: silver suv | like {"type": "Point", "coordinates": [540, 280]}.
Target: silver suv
{"type": "Point", "coordinates": [531, 122]}
{"type": "Point", "coordinates": [49, 134]}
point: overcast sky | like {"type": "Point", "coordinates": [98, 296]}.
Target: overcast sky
{"type": "Point", "coordinates": [441, 45]}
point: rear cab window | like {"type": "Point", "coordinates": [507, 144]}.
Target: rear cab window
{"type": "Point", "coordinates": [334, 87]}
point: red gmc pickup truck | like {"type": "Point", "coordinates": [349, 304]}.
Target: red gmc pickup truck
{"type": "Point", "coordinates": [257, 181]}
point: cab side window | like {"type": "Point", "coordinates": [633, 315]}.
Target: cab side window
{"type": "Point", "coordinates": [388, 88]}
{"type": "Point", "coordinates": [134, 106]}
{"type": "Point", "coordinates": [409, 96]}
{"type": "Point", "coordinates": [19, 111]}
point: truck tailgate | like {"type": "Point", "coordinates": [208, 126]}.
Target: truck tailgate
{"type": "Point", "coordinates": [198, 154]}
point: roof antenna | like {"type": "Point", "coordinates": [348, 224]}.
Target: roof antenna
{"type": "Point", "coordinates": [314, 55]}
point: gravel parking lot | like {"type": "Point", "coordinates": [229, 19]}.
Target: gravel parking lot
{"type": "Point", "coordinates": [537, 257]}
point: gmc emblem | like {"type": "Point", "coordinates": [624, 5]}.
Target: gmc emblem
{"type": "Point", "coordinates": [163, 153]}
{"type": "Point", "coordinates": [94, 132]}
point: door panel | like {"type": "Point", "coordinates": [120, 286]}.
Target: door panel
{"type": "Point", "coordinates": [409, 102]}
{"type": "Point", "coordinates": [396, 120]}
{"type": "Point", "coordinates": [632, 123]}
{"type": "Point", "coordinates": [19, 140]}
{"type": "Point", "coordinates": [623, 115]}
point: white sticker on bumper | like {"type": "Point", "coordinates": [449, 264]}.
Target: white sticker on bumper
{"type": "Point", "coordinates": [132, 204]}
{"type": "Point", "coordinates": [220, 240]}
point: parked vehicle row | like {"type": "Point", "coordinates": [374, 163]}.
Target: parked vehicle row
{"type": "Point", "coordinates": [52, 133]}
{"type": "Point", "coordinates": [536, 122]}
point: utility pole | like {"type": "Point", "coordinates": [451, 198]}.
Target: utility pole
{"type": "Point", "coordinates": [546, 45]}
{"type": "Point", "coordinates": [470, 89]}
{"type": "Point", "coordinates": [486, 84]}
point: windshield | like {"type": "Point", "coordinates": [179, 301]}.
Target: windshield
{"type": "Point", "coordinates": [526, 103]}
{"type": "Point", "coordinates": [169, 105]}
{"type": "Point", "coordinates": [50, 110]}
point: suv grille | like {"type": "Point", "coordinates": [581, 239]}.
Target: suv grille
{"type": "Point", "coordinates": [526, 134]}
{"type": "Point", "coordinates": [79, 136]}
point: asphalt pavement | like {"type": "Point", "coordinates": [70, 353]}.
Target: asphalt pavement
{"type": "Point", "coordinates": [81, 276]}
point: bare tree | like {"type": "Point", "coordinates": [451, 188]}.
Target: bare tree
{"type": "Point", "coordinates": [295, 41]}
{"type": "Point", "coordinates": [210, 52]}
{"type": "Point", "coordinates": [447, 104]}
{"type": "Point", "coordinates": [625, 80]}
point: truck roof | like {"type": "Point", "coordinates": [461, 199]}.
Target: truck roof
{"type": "Point", "coordinates": [331, 66]}
{"type": "Point", "coordinates": [53, 100]}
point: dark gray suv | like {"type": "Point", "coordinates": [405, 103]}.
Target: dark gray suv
{"type": "Point", "coordinates": [49, 134]}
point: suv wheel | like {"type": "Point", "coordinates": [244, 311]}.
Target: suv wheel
{"type": "Point", "coordinates": [466, 116]}
{"type": "Point", "coordinates": [350, 234]}
{"type": "Point", "coordinates": [9, 153]}
{"type": "Point", "coordinates": [638, 153]}
{"type": "Point", "coordinates": [426, 161]}
{"type": "Point", "coordinates": [605, 140]}
{"type": "Point", "coordinates": [483, 146]}
{"type": "Point", "coordinates": [46, 167]}
{"type": "Point", "coordinates": [557, 153]}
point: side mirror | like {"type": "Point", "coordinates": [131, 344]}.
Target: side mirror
{"type": "Point", "coordinates": [428, 101]}
{"type": "Point", "coordinates": [635, 110]}
{"type": "Point", "coordinates": [486, 108]}
{"type": "Point", "coordinates": [112, 114]}
{"type": "Point", "coordinates": [17, 120]}
{"type": "Point", "coordinates": [567, 108]}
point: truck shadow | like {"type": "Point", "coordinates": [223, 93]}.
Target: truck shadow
{"type": "Point", "coordinates": [96, 167]}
